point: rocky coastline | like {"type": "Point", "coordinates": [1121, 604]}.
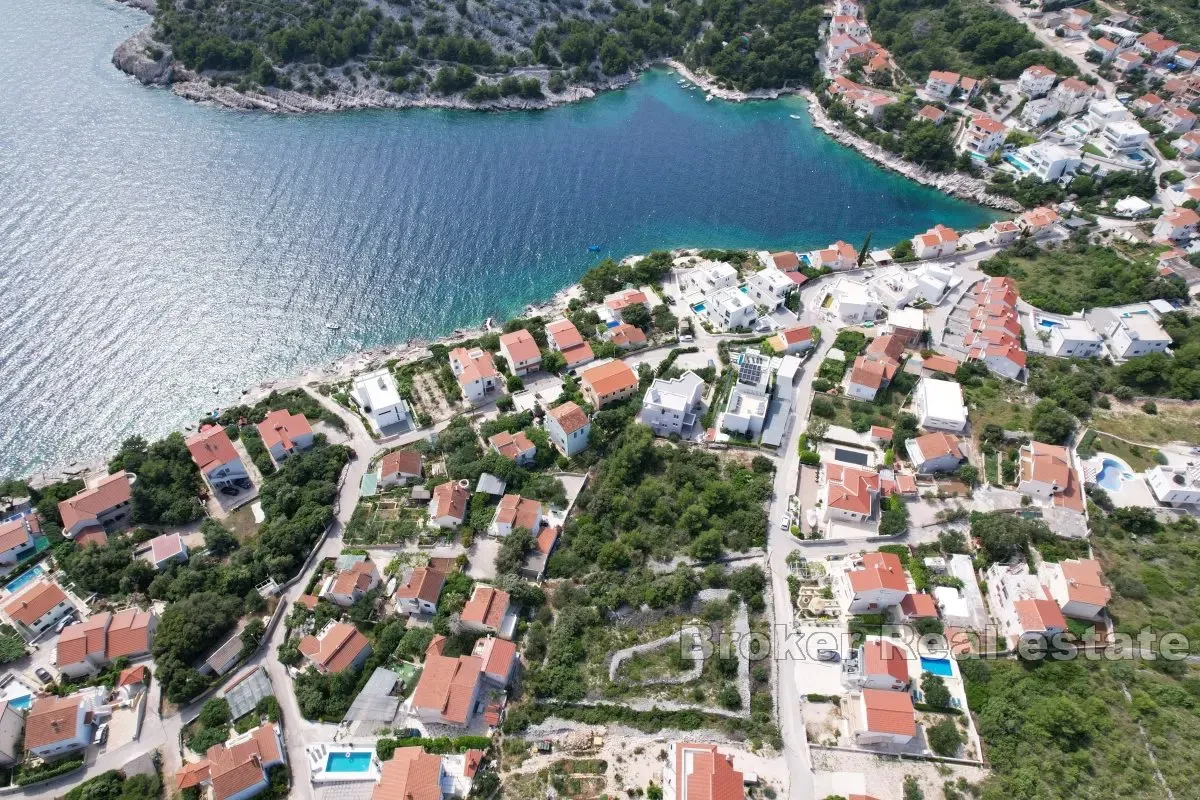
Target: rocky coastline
{"type": "Point", "coordinates": [955, 184]}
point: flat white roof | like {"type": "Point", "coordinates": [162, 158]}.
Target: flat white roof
{"type": "Point", "coordinates": [677, 393]}
{"type": "Point", "coordinates": [788, 366]}
{"type": "Point", "coordinates": [772, 278]}
{"type": "Point", "coordinates": [943, 399]}
{"type": "Point", "coordinates": [910, 318]}
{"type": "Point", "coordinates": [1078, 330]}
{"type": "Point", "coordinates": [1146, 328]}
{"type": "Point", "coordinates": [377, 389]}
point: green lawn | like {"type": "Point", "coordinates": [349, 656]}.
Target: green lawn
{"type": "Point", "coordinates": [1137, 457]}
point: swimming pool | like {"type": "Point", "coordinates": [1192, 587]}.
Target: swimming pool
{"type": "Point", "coordinates": [806, 260]}
{"type": "Point", "coordinates": [19, 582]}
{"type": "Point", "coordinates": [937, 666]}
{"type": "Point", "coordinates": [22, 703]}
{"type": "Point", "coordinates": [352, 761]}
{"type": "Point", "coordinates": [1049, 323]}
{"type": "Point", "coordinates": [1016, 162]}
{"type": "Point", "coordinates": [744, 289]}
{"type": "Point", "coordinates": [699, 307]}
{"type": "Point", "coordinates": [1112, 474]}
{"type": "Point", "coordinates": [850, 456]}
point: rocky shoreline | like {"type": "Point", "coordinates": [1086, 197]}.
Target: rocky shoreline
{"type": "Point", "coordinates": [955, 184]}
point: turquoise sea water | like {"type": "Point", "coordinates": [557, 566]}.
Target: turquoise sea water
{"type": "Point", "coordinates": [152, 249]}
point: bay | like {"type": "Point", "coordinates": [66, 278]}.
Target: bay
{"type": "Point", "coordinates": [152, 248]}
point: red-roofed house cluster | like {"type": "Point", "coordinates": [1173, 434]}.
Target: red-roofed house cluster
{"type": "Point", "coordinates": [1030, 607]}
{"type": "Point", "coordinates": [994, 335]}
{"type": "Point", "coordinates": [413, 774]}
{"type": "Point", "coordinates": [450, 687]}
{"type": "Point", "coordinates": [865, 102]}
{"type": "Point", "coordinates": [238, 769]}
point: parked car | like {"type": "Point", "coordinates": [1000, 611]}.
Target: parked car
{"type": "Point", "coordinates": [829, 655]}
{"type": "Point", "coordinates": [243, 483]}
{"type": "Point", "coordinates": [64, 622]}
{"type": "Point", "coordinates": [102, 733]}
{"type": "Point", "coordinates": [44, 675]}
{"type": "Point", "coordinates": [230, 491]}
{"type": "Point", "coordinates": [783, 524]}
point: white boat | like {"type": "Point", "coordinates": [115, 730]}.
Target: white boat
{"type": "Point", "coordinates": [708, 98]}
{"type": "Point", "coordinates": [794, 116]}
{"type": "Point", "coordinates": [333, 326]}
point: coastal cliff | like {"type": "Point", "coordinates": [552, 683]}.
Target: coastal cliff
{"type": "Point", "coordinates": [955, 184]}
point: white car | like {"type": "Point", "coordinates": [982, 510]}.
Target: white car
{"type": "Point", "coordinates": [784, 525]}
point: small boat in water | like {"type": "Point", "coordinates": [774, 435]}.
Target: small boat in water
{"type": "Point", "coordinates": [593, 248]}
{"type": "Point", "coordinates": [794, 116]}
{"type": "Point", "coordinates": [488, 323]}
{"type": "Point", "coordinates": [708, 98]}
{"type": "Point", "coordinates": [333, 326]}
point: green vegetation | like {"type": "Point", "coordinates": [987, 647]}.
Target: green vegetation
{"type": "Point", "coordinates": [1004, 537]}
{"type": "Point", "coordinates": [26, 775]}
{"type": "Point", "coordinates": [1067, 280]}
{"type": "Point", "coordinates": [211, 726]}
{"type": "Point", "coordinates": [114, 785]}
{"type": "Point", "coordinates": [965, 36]}
{"type": "Point", "coordinates": [168, 482]}
{"type": "Point", "coordinates": [608, 276]}
{"type": "Point", "coordinates": [439, 745]}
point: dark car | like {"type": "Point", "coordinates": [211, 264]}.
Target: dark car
{"type": "Point", "coordinates": [828, 655]}
{"type": "Point", "coordinates": [244, 483]}
{"type": "Point", "coordinates": [44, 675]}
{"type": "Point", "coordinates": [231, 491]}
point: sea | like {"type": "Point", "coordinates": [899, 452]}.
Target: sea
{"type": "Point", "coordinates": [158, 256]}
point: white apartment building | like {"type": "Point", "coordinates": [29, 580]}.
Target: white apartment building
{"type": "Point", "coordinates": [984, 135]}
{"type": "Point", "coordinates": [1176, 225]}
{"type": "Point", "coordinates": [729, 309]}
{"type": "Point", "coordinates": [1049, 162]}
{"type": "Point", "coordinates": [939, 405]}
{"type": "Point", "coordinates": [708, 277]}
{"type": "Point", "coordinates": [769, 287]}
{"type": "Point", "coordinates": [670, 406]}
{"type": "Point", "coordinates": [1175, 486]}
{"type": "Point", "coordinates": [1072, 96]}
{"type": "Point", "coordinates": [1075, 338]}
{"type": "Point", "coordinates": [853, 301]}
{"type": "Point", "coordinates": [1036, 81]}
{"type": "Point", "coordinates": [1020, 605]}
{"type": "Point", "coordinates": [1136, 334]}
{"type": "Point", "coordinates": [746, 410]}
{"type": "Point", "coordinates": [379, 399]}
{"type": "Point", "coordinates": [1038, 111]}
{"type": "Point", "coordinates": [1122, 136]}
{"type": "Point", "coordinates": [1102, 112]}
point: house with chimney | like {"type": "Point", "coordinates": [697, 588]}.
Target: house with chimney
{"type": "Point", "coordinates": [489, 610]}
{"type": "Point", "coordinates": [87, 647]}
{"type": "Point", "coordinates": [520, 350]}
{"type": "Point", "coordinates": [874, 584]}
{"type": "Point", "coordinates": [104, 505]}
{"type": "Point", "coordinates": [337, 648]}
{"type": "Point", "coordinates": [215, 457]}
{"type": "Point", "coordinates": [284, 433]}
{"type": "Point", "coordinates": [38, 607]}
{"type": "Point", "coordinates": [695, 771]}
{"type": "Point", "coordinates": [58, 726]}
{"type": "Point", "coordinates": [238, 769]}
{"type": "Point", "coordinates": [1077, 585]}
{"type": "Point", "coordinates": [347, 587]}
{"type": "Point", "coordinates": [419, 592]}
{"type": "Point", "coordinates": [568, 427]}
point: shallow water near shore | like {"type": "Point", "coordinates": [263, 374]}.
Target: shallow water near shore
{"type": "Point", "coordinates": [153, 249]}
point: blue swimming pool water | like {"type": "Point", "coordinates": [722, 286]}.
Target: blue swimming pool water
{"type": "Point", "coordinates": [1049, 323]}
{"type": "Point", "coordinates": [22, 703]}
{"type": "Point", "coordinates": [938, 666]}
{"type": "Point", "coordinates": [348, 762]}
{"type": "Point", "coordinates": [698, 307]}
{"type": "Point", "coordinates": [804, 258]}
{"type": "Point", "coordinates": [1016, 162]}
{"type": "Point", "coordinates": [20, 581]}
{"type": "Point", "coordinates": [1110, 476]}
{"type": "Point", "coordinates": [744, 288]}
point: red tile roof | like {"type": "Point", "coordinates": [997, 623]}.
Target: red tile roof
{"type": "Point", "coordinates": [400, 462]}
{"type": "Point", "coordinates": [487, 607]}
{"type": "Point", "coordinates": [889, 712]}
{"type": "Point", "coordinates": [337, 649]}
{"type": "Point", "coordinates": [166, 546]}
{"type": "Point", "coordinates": [511, 445]}
{"type": "Point", "coordinates": [410, 774]}
{"type": "Point", "coordinates": [851, 489]}
{"type": "Point", "coordinates": [881, 657]}
{"type": "Point", "coordinates": [879, 571]}
{"type": "Point", "coordinates": [497, 656]}
{"type": "Point", "coordinates": [939, 363]}
{"type": "Point", "coordinates": [211, 448]}
{"type": "Point", "coordinates": [283, 427]}
{"type": "Point", "coordinates": [1085, 583]}
{"type": "Point", "coordinates": [520, 346]}
{"type": "Point", "coordinates": [712, 776]}
{"type": "Point", "coordinates": [569, 416]}
{"type": "Point", "coordinates": [519, 512]}
{"type": "Point", "coordinates": [918, 605]}
{"type": "Point", "coordinates": [50, 720]}
{"type": "Point", "coordinates": [33, 603]}
{"type": "Point", "coordinates": [19, 532]}
{"type": "Point", "coordinates": [785, 261]}
{"type": "Point", "coordinates": [449, 500]}
{"type": "Point", "coordinates": [447, 685]}
{"type": "Point", "coordinates": [610, 378]}
{"type": "Point", "coordinates": [423, 583]}
{"type": "Point", "coordinates": [107, 494]}
{"type": "Point", "coordinates": [1040, 616]}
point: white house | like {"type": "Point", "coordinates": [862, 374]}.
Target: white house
{"type": "Point", "coordinates": [1036, 81]}
{"type": "Point", "coordinates": [1075, 338]}
{"type": "Point", "coordinates": [730, 308]}
{"type": "Point", "coordinates": [521, 352]}
{"type": "Point", "coordinates": [940, 85]}
{"type": "Point", "coordinates": [1136, 335]}
{"type": "Point", "coordinates": [516, 447]}
{"type": "Point", "coordinates": [38, 607]}
{"type": "Point", "coordinates": [420, 591]}
{"type": "Point", "coordinates": [838, 255]}
{"type": "Point", "coordinates": [1038, 111]}
{"type": "Point", "coordinates": [18, 537]}
{"type": "Point", "coordinates": [215, 456]}
{"type": "Point", "coordinates": [1175, 486]}
{"type": "Point", "coordinates": [694, 771]}
{"type": "Point", "coordinates": [448, 506]}
{"type": "Point", "coordinates": [347, 587]}
{"type": "Point", "coordinates": [937, 242]}
{"type": "Point", "coordinates": [476, 373]}
{"type": "Point", "coordinates": [896, 286]}
{"type": "Point", "coordinates": [399, 468]}
{"type": "Point", "coordinates": [746, 411]}
{"type": "Point", "coordinates": [875, 584]}
{"type": "Point", "coordinates": [669, 406]}
{"type": "Point", "coordinates": [1177, 119]}
{"type": "Point", "coordinates": [795, 339]}
{"type": "Point", "coordinates": [934, 452]}
{"type": "Point", "coordinates": [1177, 225]}
{"type": "Point", "coordinates": [12, 728]}
{"type": "Point", "coordinates": [1077, 585]}
{"type": "Point", "coordinates": [568, 427]}
{"type": "Point", "coordinates": [885, 718]}
{"type": "Point", "coordinates": [1004, 231]}
{"type": "Point", "coordinates": [447, 691]}
{"type": "Point", "coordinates": [1049, 162]}
{"type": "Point", "coordinates": [984, 135]}
{"type": "Point", "coordinates": [379, 399]}
{"type": "Point", "coordinates": [709, 276]}
{"type": "Point", "coordinates": [1123, 136]}
{"type": "Point", "coordinates": [853, 301]}
{"type": "Point", "coordinates": [933, 280]}
{"type": "Point", "coordinates": [489, 611]}
{"type": "Point", "coordinates": [86, 647]}
{"type": "Point", "coordinates": [56, 726]}
{"type": "Point", "coordinates": [1102, 112]}
{"type": "Point", "coordinates": [563, 337]}
{"type": "Point", "coordinates": [1072, 96]}
{"type": "Point", "coordinates": [284, 433]}
{"type": "Point", "coordinates": [939, 405]}
{"type": "Point", "coordinates": [167, 549]}
{"type": "Point", "coordinates": [513, 512]}
{"type": "Point", "coordinates": [881, 665]}
{"type": "Point", "coordinates": [1020, 606]}
{"type": "Point", "coordinates": [1127, 61]}
{"type": "Point", "coordinates": [769, 287]}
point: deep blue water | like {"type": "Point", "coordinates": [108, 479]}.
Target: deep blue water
{"type": "Point", "coordinates": [152, 248]}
